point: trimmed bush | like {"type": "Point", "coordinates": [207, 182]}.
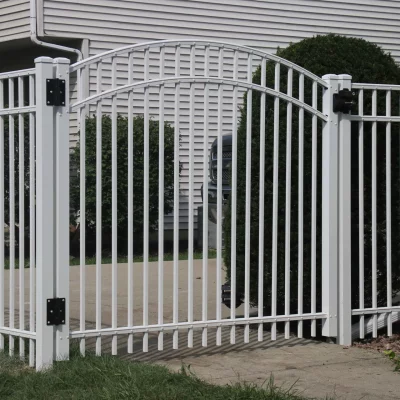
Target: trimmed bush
{"type": "Point", "coordinates": [122, 181]}
{"type": "Point", "coordinates": [321, 55]}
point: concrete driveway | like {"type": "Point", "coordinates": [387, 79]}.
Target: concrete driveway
{"type": "Point", "coordinates": [316, 369]}
{"type": "Point", "coordinates": [122, 284]}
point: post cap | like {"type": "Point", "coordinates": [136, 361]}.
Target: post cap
{"type": "Point", "coordinates": [46, 60]}
{"type": "Point", "coordinates": [62, 60]}
{"type": "Point", "coordinates": [345, 77]}
{"type": "Point", "coordinates": [331, 77]}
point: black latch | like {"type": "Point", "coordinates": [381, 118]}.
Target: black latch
{"type": "Point", "coordinates": [55, 92]}
{"type": "Point", "coordinates": [343, 101]}
{"type": "Point", "coordinates": [56, 311]}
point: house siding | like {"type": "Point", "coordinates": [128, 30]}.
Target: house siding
{"type": "Point", "coordinates": [265, 25]}
{"type": "Point", "coordinates": [14, 19]}
{"type": "Point", "coordinates": [261, 24]}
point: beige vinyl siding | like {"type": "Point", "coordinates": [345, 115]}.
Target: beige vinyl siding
{"type": "Point", "coordinates": [14, 19]}
{"type": "Point", "coordinates": [261, 24]}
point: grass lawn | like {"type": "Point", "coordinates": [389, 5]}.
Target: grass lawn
{"type": "Point", "coordinates": [109, 377]}
{"type": "Point", "coordinates": [197, 255]}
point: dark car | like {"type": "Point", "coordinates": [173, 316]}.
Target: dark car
{"type": "Point", "coordinates": [213, 170]}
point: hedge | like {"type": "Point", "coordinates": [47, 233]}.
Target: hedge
{"type": "Point", "coordinates": [321, 55]}
{"type": "Point", "coordinates": [122, 180]}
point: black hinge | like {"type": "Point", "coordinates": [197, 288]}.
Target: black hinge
{"type": "Point", "coordinates": [56, 311]}
{"type": "Point", "coordinates": [55, 92]}
{"type": "Point", "coordinates": [343, 101]}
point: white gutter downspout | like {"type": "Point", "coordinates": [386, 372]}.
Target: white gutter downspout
{"type": "Point", "coordinates": [36, 40]}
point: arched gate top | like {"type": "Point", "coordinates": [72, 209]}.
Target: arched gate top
{"type": "Point", "coordinates": [162, 81]}
{"type": "Point", "coordinates": [230, 46]}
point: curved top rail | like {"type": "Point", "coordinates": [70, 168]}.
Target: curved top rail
{"type": "Point", "coordinates": [177, 42]}
{"type": "Point", "coordinates": [158, 82]}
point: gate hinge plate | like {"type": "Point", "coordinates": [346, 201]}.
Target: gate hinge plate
{"type": "Point", "coordinates": [56, 311]}
{"type": "Point", "coordinates": [343, 101]}
{"type": "Point", "coordinates": [55, 92]}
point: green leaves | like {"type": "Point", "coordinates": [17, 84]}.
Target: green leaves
{"type": "Point", "coordinates": [394, 357]}
{"type": "Point", "coordinates": [122, 178]}
{"type": "Point", "coordinates": [321, 55]}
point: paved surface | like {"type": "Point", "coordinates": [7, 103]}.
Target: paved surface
{"type": "Point", "coordinates": [317, 369]}
{"type": "Point", "coordinates": [122, 285]}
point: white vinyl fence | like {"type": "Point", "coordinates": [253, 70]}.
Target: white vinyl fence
{"type": "Point", "coordinates": [17, 185]}
{"type": "Point", "coordinates": [301, 174]}
{"type": "Point", "coordinates": [378, 118]}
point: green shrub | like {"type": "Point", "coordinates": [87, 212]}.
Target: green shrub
{"type": "Point", "coordinates": [122, 180]}
{"type": "Point", "coordinates": [321, 55]}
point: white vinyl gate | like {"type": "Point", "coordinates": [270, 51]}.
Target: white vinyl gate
{"type": "Point", "coordinates": [289, 253]}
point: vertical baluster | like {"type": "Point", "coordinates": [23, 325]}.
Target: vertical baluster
{"type": "Point", "coordinates": [130, 203]}
{"type": "Point", "coordinates": [11, 146]}
{"type": "Point", "coordinates": [361, 207]}
{"type": "Point", "coordinates": [219, 196]}
{"type": "Point", "coordinates": [21, 221]}
{"type": "Point", "coordinates": [114, 208]}
{"type": "Point", "coordinates": [374, 212]}
{"type": "Point", "coordinates": [146, 206]}
{"type": "Point", "coordinates": [82, 217]}
{"type": "Point", "coordinates": [176, 198]}
{"type": "Point", "coordinates": [388, 213]}
{"type": "Point", "coordinates": [161, 205]}
{"type": "Point", "coordinates": [99, 139]}
{"type": "Point", "coordinates": [205, 198]}
{"type": "Point", "coordinates": [249, 113]}
{"type": "Point", "coordinates": [314, 210]}
{"type": "Point", "coordinates": [288, 199]}
{"type": "Point", "coordinates": [301, 208]}
{"type": "Point", "coordinates": [261, 203]}
{"type": "Point", "coordinates": [275, 203]}
{"type": "Point", "coordinates": [191, 197]}
{"type": "Point", "coordinates": [234, 197]}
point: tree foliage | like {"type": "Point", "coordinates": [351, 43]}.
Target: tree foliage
{"type": "Point", "coordinates": [330, 54]}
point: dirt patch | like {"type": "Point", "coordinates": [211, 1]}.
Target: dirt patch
{"type": "Point", "coordinates": [381, 343]}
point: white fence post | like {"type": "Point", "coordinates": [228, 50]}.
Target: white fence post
{"type": "Point", "coordinates": [62, 207]}
{"type": "Point", "coordinates": [52, 204]}
{"type": "Point", "coordinates": [345, 331]}
{"type": "Point", "coordinates": [45, 214]}
{"type": "Point", "coordinates": [330, 189]}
